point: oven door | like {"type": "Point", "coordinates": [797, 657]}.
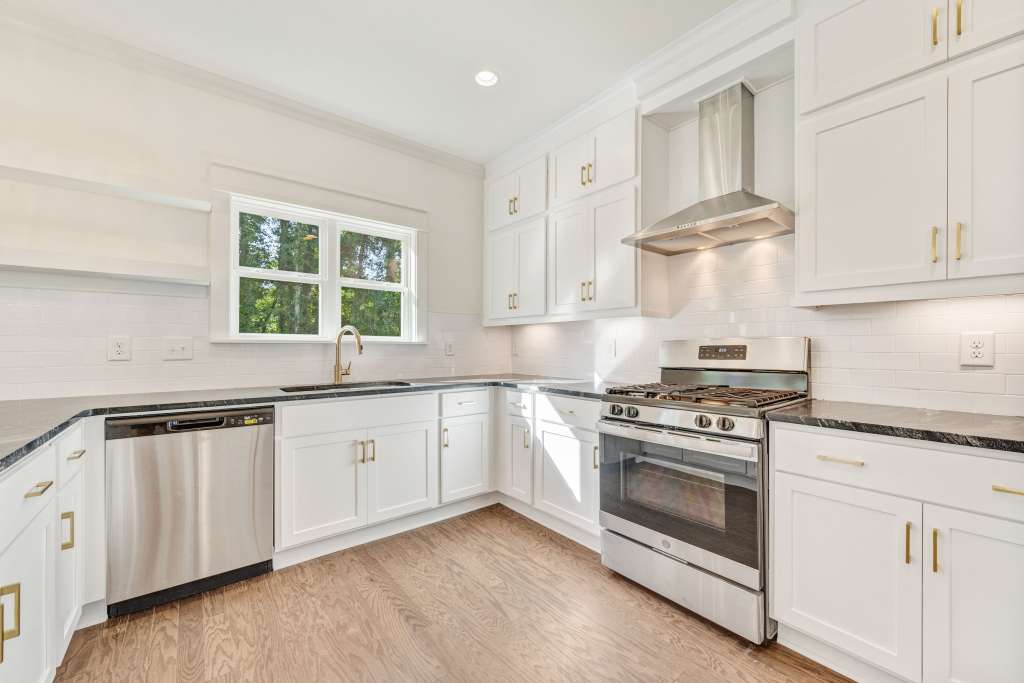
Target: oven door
{"type": "Point", "coordinates": [691, 496]}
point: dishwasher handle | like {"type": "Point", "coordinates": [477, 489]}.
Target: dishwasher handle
{"type": "Point", "coordinates": [198, 423]}
{"type": "Point", "coordinates": [181, 423]}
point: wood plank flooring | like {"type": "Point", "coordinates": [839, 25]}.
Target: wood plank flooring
{"type": "Point", "coordinates": [489, 596]}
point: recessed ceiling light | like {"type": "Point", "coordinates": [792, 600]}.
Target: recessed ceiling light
{"type": "Point", "coordinates": [486, 78]}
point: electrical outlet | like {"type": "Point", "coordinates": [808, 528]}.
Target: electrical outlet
{"type": "Point", "coordinates": [449, 348]}
{"type": "Point", "coordinates": [119, 347]}
{"type": "Point", "coordinates": [177, 348]}
{"type": "Point", "coordinates": [515, 348]}
{"type": "Point", "coordinates": [613, 348]}
{"type": "Point", "coordinates": [978, 348]}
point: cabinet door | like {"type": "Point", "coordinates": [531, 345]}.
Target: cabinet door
{"type": "Point", "coordinates": [532, 197]}
{"type": "Point", "coordinates": [69, 570]}
{"type": "Point", "coordinates": [986, 164]}
{"type": "Point", "coordinates": [848, 46]}
{"type": "Point", "coordinates": [973, 597]}
{"type": "Point", "coordinates": [848, 570]}
{"type": "Point", "coordinates": [571, 258]}
{"type": "Point", "coordinates": [613, 215]}
{"type": "Point", "coordinates": [465, 457]}
{"type": "Point", "coordinates": [501, 193]}
{"type": "Point", "coordinates": [873, 191]}
{"type": "Point", "coordinates": [402, 472]}
{"type": "Point", "coordinates": [531, 269]}
{"type": "Point", "coordinates": [564, 476]}
{"type": "Point", "coordinates": [26, 593]}
{"type": "Point", "coordinates": [569, 169]}
{"type": "Point", "coordinates": [614, 151]}
{"type": "Point", "coordinates": [975, 23]}
{"type": "Point", "coordinates": [519, 453]}
{"type": "Point", "coordinates": [502, 248]}
{"type": "Point", "coordinates": [323, 486]}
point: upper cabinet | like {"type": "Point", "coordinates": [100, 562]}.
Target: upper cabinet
{"type": "Point", "coordinates": [598, 159]}
{"type": "Point", "coordinates": [517, 264]}
{"type": "Point", "coordinates": [848, 46]}
{"type": "Point", "coordinates": [518, 195]}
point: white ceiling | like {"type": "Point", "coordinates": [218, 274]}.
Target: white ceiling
{"type": "Point", "coordinates": [407, 67]}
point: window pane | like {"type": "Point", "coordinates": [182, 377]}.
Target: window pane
{"type": "Point", "coordinates": [375, 313]}
{"type": "Point", "coordinates": [276, 244]}
{"type": "Point", "coordinates": [269, 307]}
{"type": "Point", "coordinates": [368, 257]}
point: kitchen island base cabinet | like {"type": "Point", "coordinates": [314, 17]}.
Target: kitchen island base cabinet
{"type": "Point", "coordinates": [973, 597]}
{"type": "Point", "coordinates": [465, 457]}
{"type": "Point", "coordinates": [565, 483]}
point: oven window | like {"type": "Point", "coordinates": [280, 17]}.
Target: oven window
{"type": "Point", "coordinates": [707, 500]}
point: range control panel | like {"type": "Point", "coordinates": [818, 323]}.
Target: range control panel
{"type": "Point", "coordinates": [728, 352]}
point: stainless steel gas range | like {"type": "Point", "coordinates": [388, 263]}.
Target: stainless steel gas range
{"type": "Point", "coordinates": [684, 474]}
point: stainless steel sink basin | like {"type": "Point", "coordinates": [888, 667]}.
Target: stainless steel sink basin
{"type": "Point", "coordinates": [346, 386]}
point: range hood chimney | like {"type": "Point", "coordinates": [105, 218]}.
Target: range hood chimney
{"type": "Point", "coordinates": [729, 212]}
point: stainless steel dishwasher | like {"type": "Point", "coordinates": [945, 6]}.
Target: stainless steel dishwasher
{"type": "Point", "coordinates": [190, 504]}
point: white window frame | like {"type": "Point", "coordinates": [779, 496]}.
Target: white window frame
{"type": "Point", "coordinates": [329, 280]}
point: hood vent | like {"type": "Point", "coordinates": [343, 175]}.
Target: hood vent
{"type": "Point", "coordinates": [729, 212]}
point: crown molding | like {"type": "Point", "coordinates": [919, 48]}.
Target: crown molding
{"type": "Point", "coordinates": [144, 60]}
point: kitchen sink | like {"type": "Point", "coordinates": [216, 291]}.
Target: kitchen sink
{"type": "Point", "coordinates": [345, 386]}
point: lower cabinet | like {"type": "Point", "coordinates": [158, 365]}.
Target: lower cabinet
{"type": "Point", "coordinates": [565, 473]}
{"type": "Point", "coordinates": [465, 456]}
{"type": "Point", "coordinates": [848, 570]}
{"type": "Point", "coordinates": [517, 446]}
{"type": "Point", "coordinates": [402, 472]}
{"type": "Point", "coordinates": [70, 574]}
{"type": "Point", "coordinates": [973, 597]}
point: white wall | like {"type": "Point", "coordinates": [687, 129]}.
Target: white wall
{"type": "Point", "coordinates": [72, 112]}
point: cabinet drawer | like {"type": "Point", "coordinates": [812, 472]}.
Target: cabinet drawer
{"type": "Point", "coordinates": [902, 467]}
{"type": "Point", "coordinates": [16, 510]}
{"type": "Point", "coordinates": [335, 416]}
{"type": "Point", "coordinates": [518, 403]}
{"type": "Point", "coordinates": [571, 411]}
{"type": "Point", "coordinates": [70, 453]}
{"type": "Point", "coordinates": [465, 402]}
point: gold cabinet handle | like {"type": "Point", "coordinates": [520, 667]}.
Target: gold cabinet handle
{"type": "Point", "coordinates": [841, 461]}
{"type": "Point", "coordinates": [590, 290]}
{"type": "Point", "coordinates": [70, 543]}
{"type": "Point", "coordinates": [515, 205]}
{"type": "Point", "coordinates": [935, 26]}
{"type": "Point", "coordinates": [75, 455]}
{"type": "Point", "coordinates": [39, 489]}
{"type": "Point", "coordinates": [373, 450]}
{"type": "Point", "coordinates": [526, 438]}
{"type": "Point", "coordinates": [597, 465]}
{"type": "Point", "coordinates": [935, 244]}
{"type": "Point", "coordinates": [444, 438]}
{"type": "Point", "coordinates": [2, 639]}
{"type": "Point", "coordinates": [959, 240]}
{"type": "Point", "coordinates": [583, 175]}
{"type": "Point", "coordinates": [509, 209]}
{"type": "Point", "coordinates": [907, 550]}
{"type": "Point", "coordinates": [15, 631]}
{"type": "Point", "coordinates": [509, 304]}
{"type": "Point", "coordinates": [583, 291]}
{"type": "Point", "coordinates": [362, 452]}
{"type": "Point", "coordinates": [959, 17]}
{"type": "Point", "coordinates": [590, 174]}
{"type": "Point", "coordinates": [935, 551]}
{"type": "Point", "coordinates": [1006, 489]}
{"type": "Point", "coordinates": [515, 301]}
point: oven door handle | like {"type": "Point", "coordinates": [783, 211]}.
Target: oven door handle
{"type": "Point", "coordinates": [726, 448]}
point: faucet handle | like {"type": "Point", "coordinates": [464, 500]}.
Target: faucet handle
{"type": "Point", "coordinates": [347, 369]}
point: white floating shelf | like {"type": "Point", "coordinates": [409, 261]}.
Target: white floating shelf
{"type": "Point", "coordinates": [103, 266]}
{"type": "Point", "coordinates": [25, 175]}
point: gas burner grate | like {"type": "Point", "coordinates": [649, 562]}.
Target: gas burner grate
{"type": "Point", "coordinates": [708, 394]}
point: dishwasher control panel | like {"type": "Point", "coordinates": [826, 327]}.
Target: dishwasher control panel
{"type": "Point", "coordinates": [248, 420]}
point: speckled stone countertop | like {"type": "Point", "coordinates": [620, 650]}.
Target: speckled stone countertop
{"type": "Point", "coordinates": [997, 432]}
{"type": "Point", "coordinates": [26, 425]}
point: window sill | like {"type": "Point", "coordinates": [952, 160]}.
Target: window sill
{"type": "Point", "coordinates": [367, 341]}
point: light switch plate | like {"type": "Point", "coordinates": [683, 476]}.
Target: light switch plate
{"type": "Point", "coordinates": [119, 347]}
{"type": "Point", "coordinates": [978, 348]}
{"type": "Point", "coordinates": [177, 348]}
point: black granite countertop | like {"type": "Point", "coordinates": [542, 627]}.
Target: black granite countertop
{"type": "Point", "coordinates": [27, 424]}
{"type": "Point", "coordinates": [997, 432]}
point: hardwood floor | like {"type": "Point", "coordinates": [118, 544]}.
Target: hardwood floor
{"type": "Point", "coordinates": [490, 596]}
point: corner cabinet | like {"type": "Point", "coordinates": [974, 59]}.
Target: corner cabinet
{"type": "Point", "coordinates": [517, 269]}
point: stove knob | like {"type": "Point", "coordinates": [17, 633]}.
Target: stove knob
{"type": "Point", "coordinates": [702, 421]}
{"type": "Point", "coordinates": [632, 412]}
{"type": "Point", "coordinates": [615, 409]}
{"type": "Point", "coordinates": [726, 424]}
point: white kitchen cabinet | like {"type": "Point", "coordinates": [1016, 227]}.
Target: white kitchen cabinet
{"type": "Point", "coordinates": [70, 574]}
{"type": "Point", "coordinates": [590, 268]}
{"type": "Point", "coordinates": [517, 446]}
{"type": "Point", "coordinates": [465, 456]}
{"type": "Point", "coordinates": [565, 473]}
{"type": "Point", "coordinates": [402, 470]}
{"type": "Point", "coordinates": [519, 194]}
{"type": "Point", "coordinates": [986, 162]}
{"type": "Point", "coordinates": [848, 46]}
{"type": "Point", "coordinates": [518, 268]}
{"type": "Point", "coordinates": [596, 160]}
{"type": "Point", "coordinates": [323, 482]}
{"type": "Point", "coordinates": [973, 593]}
{"type": "Point", "coordinates": [847, 568]}
{"type": "Point", "coordinates": [872, 184]}
{"type": "Point", "coordinates": [26, 596]}
{"type": "Point", "coordinates": [976, 23]}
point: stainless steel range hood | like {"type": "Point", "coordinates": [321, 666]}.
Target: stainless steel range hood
{"type": "Point", "coordinates": [729, 212]}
